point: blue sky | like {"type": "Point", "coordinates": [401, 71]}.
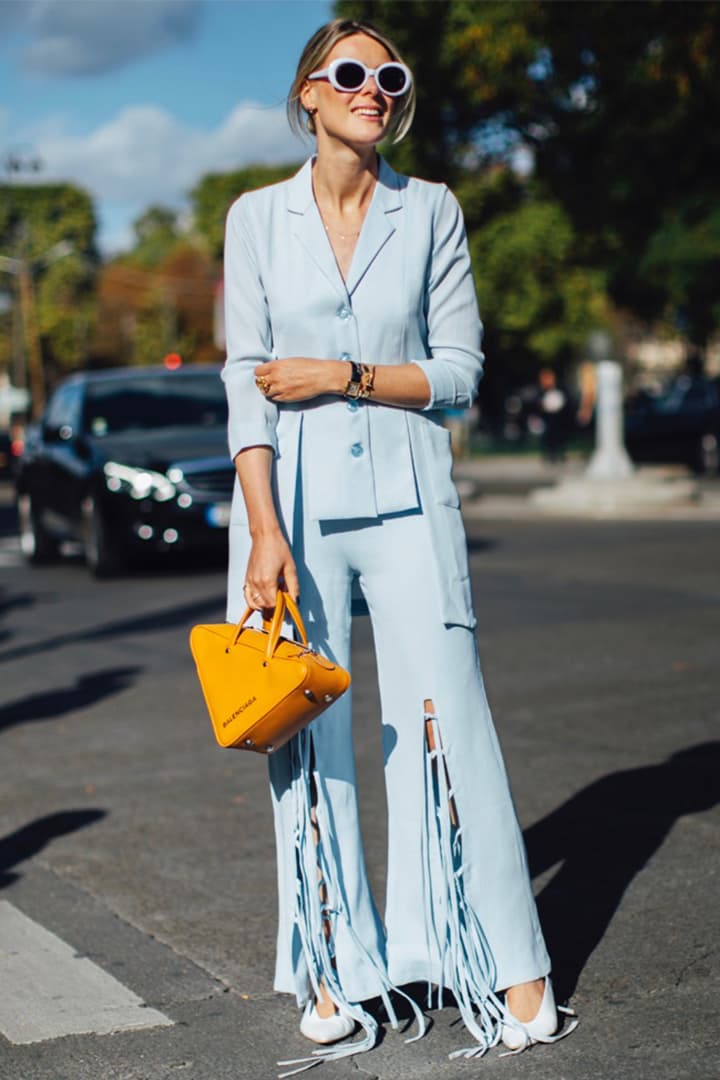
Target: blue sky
{"type": "Point", "coordinates": [136, 99]}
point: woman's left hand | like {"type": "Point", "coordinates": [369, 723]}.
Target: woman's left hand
{"type": "Point", "coordinates": [298, 378]}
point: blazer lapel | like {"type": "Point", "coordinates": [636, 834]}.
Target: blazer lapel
{"type": "Point", "coordinates": [307, 226]}
{"type": "Point", "coordinates": [378, 226]}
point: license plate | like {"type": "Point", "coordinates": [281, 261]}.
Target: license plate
{"type": "Point", "coordinates": [218, 515]}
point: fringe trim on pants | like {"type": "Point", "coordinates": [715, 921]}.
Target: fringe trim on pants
{"type": "Point", "coordinates": [313, 914]}
{"type": "Point", "coordinates": [466, 962]}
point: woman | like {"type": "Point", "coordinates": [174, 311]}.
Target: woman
{"type": "Point", "coordinates": [351, 321]}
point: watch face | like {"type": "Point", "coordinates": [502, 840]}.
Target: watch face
{"type": "Point", "coordinates": [352, 390]}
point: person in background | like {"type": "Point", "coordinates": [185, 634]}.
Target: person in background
{"type": "Point", "coordinates": [555, 412]}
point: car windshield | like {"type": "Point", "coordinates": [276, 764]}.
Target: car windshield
{"type": "Point", "coordinates": [686, 395]}
{"type": "Point", "coordinates": [148, 403]}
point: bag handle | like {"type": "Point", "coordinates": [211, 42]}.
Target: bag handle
{"type": "Point", "coordinates": [283, 604]}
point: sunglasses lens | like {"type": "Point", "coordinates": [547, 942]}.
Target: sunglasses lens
{"type": "Point", "coordinates": [349, 75]}
{"type": "Point", "coordinates": [392, 79]}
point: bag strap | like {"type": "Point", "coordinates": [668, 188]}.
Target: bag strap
{"type": "Point", "coordinates": [283, 604]}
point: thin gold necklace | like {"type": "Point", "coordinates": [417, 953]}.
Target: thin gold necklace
{"type": "Point", "coordinates": [342, 236]}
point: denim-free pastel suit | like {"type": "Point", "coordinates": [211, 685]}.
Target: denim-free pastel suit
{"type": "Point", "coordinates": [365, 496]}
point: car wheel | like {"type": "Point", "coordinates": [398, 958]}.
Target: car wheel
{"type": "Point", "coordinates": [101, 554]}
{"type": "Point", "coordinates": [36, 543]}
{"type": "Point", "coordinates": [708, 453]}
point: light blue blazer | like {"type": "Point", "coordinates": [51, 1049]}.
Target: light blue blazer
{"type": "Point", "coordinates": [409, 297]}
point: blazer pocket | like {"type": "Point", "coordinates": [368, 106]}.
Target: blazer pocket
{"type": "Point", "coordinates": [439, 463]}
{"type": "Point", "coordinates": [451, 560]}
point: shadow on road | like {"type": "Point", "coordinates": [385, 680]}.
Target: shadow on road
{"type": "Point", "coordinates": [604, 836]}
{"type": "Point", "coordinates": [30, 839]}
{"type": "Point", "coordinates": [169, 618]}
{"type": "Point", "coordinates": [10, 602]}
{"type": "Point", "coordinates": [51, 704]}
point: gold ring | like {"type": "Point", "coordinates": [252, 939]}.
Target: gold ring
{"type": "Point", "coordinates": [262, 384]}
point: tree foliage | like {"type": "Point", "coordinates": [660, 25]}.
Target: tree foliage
{"type": "Point", "coordinates": [470, 60]}
{"type": "Point", "coordinates": [36, 217]}
{"type": "Point", "coordinates": [542, 301]}
{"type": "Point", "coordinates": [156, 234]}
{"type": "Point", "coordinates": [537, 295]}
{"type": "Point", "coordinates": [617, 103]}
{"type": "Point", "coordinates": [147, 310]}
{"type": "Point", "coordinates": [157, 298]}
{"type": "Point", "coordinates": [38, 223]}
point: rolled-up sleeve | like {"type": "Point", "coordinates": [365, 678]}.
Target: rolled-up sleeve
{"type": "Point", "coordinates": [252, 419]}
{"type": "Point", "coordinates": [454, 329]}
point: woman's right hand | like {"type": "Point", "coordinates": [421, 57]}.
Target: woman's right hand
{"type": "Point", "coordinates": [270, 566]}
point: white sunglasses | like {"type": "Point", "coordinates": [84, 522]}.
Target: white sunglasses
{"type": "Point", "coordinates": [392, 78]}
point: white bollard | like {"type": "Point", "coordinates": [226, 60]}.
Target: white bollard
{"type": "Point", "coordinates": [610, 460]}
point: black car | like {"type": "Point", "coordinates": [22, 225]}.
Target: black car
{"type": "Point", "coordinates": [680, 425]}
{"type": "Point", "coordinates": [127, 460]}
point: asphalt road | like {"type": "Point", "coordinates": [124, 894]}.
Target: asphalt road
{"type": "Point", "coordinates": [130, 837]}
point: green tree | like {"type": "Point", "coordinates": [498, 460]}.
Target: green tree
{"type": "Point", "coordinates": [682, 260]}
{"type": "Point", "coordinates": [541, 299]}
{"type": "Point", "coordinates": [637, 148]}
{"type": "Point", "coordinates": [156, 234]}
{"type": "Point", "coordinates": [617, 102]}
{"type": "Point", "coordinates": [147, 311]}
{"type": "Point", "coordinates": [37, 224]}
{"type": "Point", "coordinates": [470, 62]}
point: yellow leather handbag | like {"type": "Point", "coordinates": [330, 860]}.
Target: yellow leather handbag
{"type": "Point", "coordinates": [261, 688]}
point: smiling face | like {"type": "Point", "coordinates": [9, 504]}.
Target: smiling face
{"type": "Point", "coordinates": [360, 118]}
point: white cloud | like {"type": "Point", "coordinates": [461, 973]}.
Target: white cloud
{"type": "Point", "coordinates": [80, 37]}
{"type": "Point", "coordinates": [146, 155]}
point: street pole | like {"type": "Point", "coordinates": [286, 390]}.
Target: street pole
{"type": "Point", "coordinates": [36, 371]}
{"type": "Point", "coordinates": [610, 460]}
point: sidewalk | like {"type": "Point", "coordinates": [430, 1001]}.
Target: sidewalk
{"type": "Point", "coordinates": [502, 487]}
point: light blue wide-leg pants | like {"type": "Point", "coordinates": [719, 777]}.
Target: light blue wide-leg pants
{"type": "Point", "coordinates": [460, 912]}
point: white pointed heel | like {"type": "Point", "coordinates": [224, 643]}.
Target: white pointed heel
{"type": "Point", "coordinates": [325, 1029]}
{"type": "Point", "coordinates": [518, 1035]}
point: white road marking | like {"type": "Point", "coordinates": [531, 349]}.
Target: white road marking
{"type": "Point", "coordinates": [47, 990]}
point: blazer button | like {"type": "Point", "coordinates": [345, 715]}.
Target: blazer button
{"type": "Point", "coordinates": [344, 312]}
{"type": "Point", "coordinates": [357, 449]}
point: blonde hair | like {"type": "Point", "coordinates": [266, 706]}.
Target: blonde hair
{"type": "Point", "coordinates": [312, 58]}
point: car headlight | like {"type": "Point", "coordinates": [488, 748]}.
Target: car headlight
{"type": "Point", "coordinates": [138, 483]}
